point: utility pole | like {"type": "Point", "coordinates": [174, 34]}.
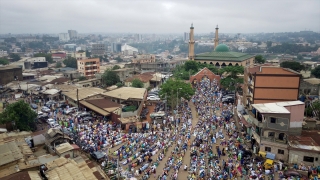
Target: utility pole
{"type": "Point", "coordinates": [78, 98]}
{"type": "Point", "coordinates": [118, 173]}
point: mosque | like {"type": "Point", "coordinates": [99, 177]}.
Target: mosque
{"type": "Point", "coordinates": [221, 56]}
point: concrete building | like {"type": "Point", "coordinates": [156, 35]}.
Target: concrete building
{"type": "Point", "coordinates": [144, 78]}
{"type": "Point", "coordinates": [272, 124]}
{"type": "Point", "coordinates": [309, 86]}
{"type": "Point", "coordinates": [64, 37]}
{"type": "Point", "coordinates": [116, 47]}
{"type": "Point", "coordinates": [267, 84]}
{"type": "Point", "coordinates": [186, 36]}
{"type": "Point", "coordinates": [128, 50]}
{"type": "Point", "coordinates": [221, 56]}
{"type": "Point", "coordinates": [124, 73]}
{"type": "Point", "coordinates": [73, 34]}
{"type": "Point", "coordinates": [77, 55]}
{"type": "Point", "coordinates": [10, 73]}
{"type": "Point", "coordinates": [144, 58]}
{"type": "Point", "coordinates": [89, 67]}
{"type": "Point", "coordinates": [98, 49]}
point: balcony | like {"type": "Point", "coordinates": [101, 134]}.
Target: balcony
{"type": "Point", "coordinates": [273, 139]}
{"type": "Point", "coordinates": [258, 122]}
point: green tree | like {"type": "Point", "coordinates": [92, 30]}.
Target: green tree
{"type": "Point", "coordinates": [82, 78]}
{"type": "Point", "coordinates": [137, 83]}
{"type": "Point", "coordinates": [58, 65]}
{"type": "Point", "coordinates": [115, 67]}
{"type": "Point", "coordinates": [296, 66]}
{"type": "Point", "coordinates": [47, 56]}
{"type": "Point", "coordinates": [259, 59]}
{"type": "Point", "coordinates": [299, 57]}
{"type": "Point", "coordinates": [231, 79]}
{"type": "Point", "coordinates": [269, 44]}
{"type": "Point", "coordinates": [119, 59]}
{"type": "Point", "coordinates": [4, 61]}
{"type": "Point", "coordinates": [110, 78]}
{"type": "Point", "coordinates": [316, 72]}
{"type": "Point", "coordinates": [232, 71]}
{"type": "Point", "coordinates": [191, 65]}
{"type": "Point", "coordinates": [70, 62]}
{"type": "Point", "coordinates": [170, 88]}
{"type": "Point", "coordinates": [14, 57]}
{"type": "Point", "coordinates": [119, 84]}
{"type": "Point", "coordinates": [21, 114]}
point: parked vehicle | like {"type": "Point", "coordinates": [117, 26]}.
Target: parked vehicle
{"type": "Point", "coordinates": [84, 114]}
{"type": "Point", "coordinates": [97, 155]}
{"type": "Point", "coordinates": [50, 121]}
{"type": "Point", "coordinates": [62, 105]}
{"type": "Point", "coordinates": [153, 98]}
{"type": "Point", "coordinates": [55, 126]}
{"type": "Point", "coordinates": [71, 110]}
{"type": "Point", "coordinates": [87, 119]}
{"type": "Point", "coordinates": [45, 109]}
{"type": "Point", "coordinates": [50, 103]}
{"type": "Point", "coordinates": [34, 106]}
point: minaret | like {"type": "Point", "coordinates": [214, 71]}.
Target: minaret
{"type": "Point", "coordinates": [216, 39]}
{"type": "Point", "coordinates": [191, 43]}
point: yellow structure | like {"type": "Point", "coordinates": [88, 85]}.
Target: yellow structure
{"type": "Point", "coordinates": [216, 39]}
{"type": "Point", "coordinates": [191, 43]}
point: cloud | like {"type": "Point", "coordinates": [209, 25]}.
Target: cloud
{"type": "Point", "coordinates": [147, 16]}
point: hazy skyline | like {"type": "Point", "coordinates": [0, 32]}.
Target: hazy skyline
{"type": "Point", "coordinates": [136, 16]}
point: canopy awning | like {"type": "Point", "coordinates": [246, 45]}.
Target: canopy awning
{"type": "Point", "coordinates": [95, 108]}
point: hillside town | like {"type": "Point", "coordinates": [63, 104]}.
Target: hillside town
{"type": "Point", "coordinates": [192, 107]}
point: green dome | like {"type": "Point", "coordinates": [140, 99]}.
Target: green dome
{"type": "Point", "coordinates": [222, 48]}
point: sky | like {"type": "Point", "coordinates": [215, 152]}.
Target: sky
{"type": "Point", "coordinates": [158, 16]}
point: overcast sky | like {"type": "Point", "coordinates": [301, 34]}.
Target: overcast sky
{"type": "Point", "coordinates": [158, 16]}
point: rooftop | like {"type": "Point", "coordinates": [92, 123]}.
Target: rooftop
{"type": "Point", "coordinates": [83, 93]}
{"type": "Point", "coordinates": [62, 148]}
{"type": "Point", "coordinates": [308, 141]}
{"type": "Point", "coordinates": [9, 152]}
{"type": "Point", "coordinates": [126, 93]}
{"type": "Point", "coordinates": [9, 67]}
{"type": "Point", "coordinates": [313, 81]}
{"type": "Point", "coordinates": [277, 108]}
{"type": "Point", "coordinates": [272, 70]}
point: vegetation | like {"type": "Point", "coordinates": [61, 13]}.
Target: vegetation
{"type": "Point", "coordinates": [289, 48]}
{"type": "Point", "coordinates": [47, 56]}
{"type": "Point", "coordinates": [137, 83]}
{"type": "Point", "coordinates": [231, 80]}
{"type": "Point", "coordinates": [58, 65]}
{"type": "Point", "coordinates": [119, 84]}
{"type": "Point", "coordinates": [296, 66]}
{"type": "Point", "coordinates": [170, 88]}
{"type": "Point", "coordinates": [70, 62]}
{"type": "Point", "coordinates": [299, 57]}
{"type": "Point", "coordinates": [14, 57]}
{"type": "Point", "coordinates": [314, 110]}
{"type": "Point", "coordinates": [184, 71]}
{"type": "Point", "coordinates": [259, 59]}
{"type": "Point", "coordinates": [21, 114]}
{"type": "Point", "coordinates": [4, 61]}
{"type": "Point", "coordinates": [119, 59]}
{"type": "Point", "coordinates": [110, 78]}
{"type": "Point", "coordinates": [316, 72]}
{"type": "Point", "coordinates": [115, 67]}
{"type": "Point", "coordinates": [82, 78]}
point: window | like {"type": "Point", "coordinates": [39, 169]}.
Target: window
{"type": "Point", "coordinates": [308, 159]}
{"type": "Point", "coordinates": [271, 134]}
{"type": "Point", "coordinates": [273, 120]}
{"type": "Point", "coordinates": [267, 149]}
{"type": "Point", "coordinates": [280, 151]}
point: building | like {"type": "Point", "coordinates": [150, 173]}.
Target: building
{"type": "Point", "coordinates": [74, 94]}
{"type": "Point", "coordinates": [128, 50]}
{"type": "Point", "coordinates": [58, 55]}
{"type": "Point", "coordinates": [144, 78]}
{"type": "Point", "coordinates": [79, 55]}
{"type": "Point", "coordinates": [89, 83]}
{"type": "Point", "coordinates": [10, 73]}
{"type": "Point", "coordinates": [272, 124]}
{"type": "Point", "coordinates": [309, 86]}
{"type": "Point", "coordinates": [204, 73]}
{"type": "Point", "coordinates": [124, 73]}
{"type": "Point", "coordinates": [98, 49]}
{"type": "Point", "coordinates": [116, 47]}
{"type": "Point", "coordinates": [89, 67]}
{"type": "Point", "coordinates": [70, 47]}
{"type": "Point", "coordinates": [186, 36]}
{"type": "Point", "coordinates": [64, 37]}
{"type": "Point", "coordinates": [71, 75]}
{"type": "Point", "coordinates": [66, 150]}
{"type": "Point", "coordinates": [267, 84]}
{"type": "Point", "coordinates": [144, 58]}
{"type": "Point", "coordinates": [73, 34]}
{"type": "Point", "coordinates": [221, 56]}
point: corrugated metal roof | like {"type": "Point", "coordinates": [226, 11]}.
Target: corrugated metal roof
{"type": "Point", "coordinates": [64, 147]}
{"type": "Point", "coordinates": [278, 107]}
{"type": "Point", "coordinates": [223, 56]}
{"type": "Point", "coordinates": [9, 152]}
{"type": "Point", "coordinates": [126, 93]}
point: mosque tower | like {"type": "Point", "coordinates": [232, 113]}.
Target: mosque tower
{"type": "Point", "coordinates": [191, 43]}
{"type": "Point", "coordinates": [216, 39]}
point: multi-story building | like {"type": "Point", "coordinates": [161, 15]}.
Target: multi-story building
{"type": "Point", "coordinates": [272, 124]}
{"type": "Point", "coordinates": [144, 58]}
{"type": "Point", "coordinates": [73, 34]}
{"type": "Point", "coordinates": [186, 36]}
{"type": "Point", "coordinates": [116, 47]}
{"type": "Point", "coordinates": [267, 84]}
{"type": "Point", "coordinates": [98, 49]}
{"type": "Point", "coordinates": [64, 37]}
{"type": "Point", "coordinates": [89, 67]}
{"type": "Point", "coordinates": [78, 55]}
{"type": "Point", "coordinates": [10, 73]}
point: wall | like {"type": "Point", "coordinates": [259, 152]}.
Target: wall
{"type": "Point", "coordinates": [70, 153]}
{"type": "Point", "coordinates": [281, 118]}
{"type": "Point", "coordinates": [308, 88]}
{"type": "Point", "coordinates": [8, 74]}
{"type": "Point", "coordinates": [145, 84]}
{"type": "Point", "coordinates": [296, 156]}
{"type": "Point", "coordinates": [274, 149]}
{"type": "Point", "coordinates": [297, 115]}
{"type": "Point", "coordinates": [205, 72]}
